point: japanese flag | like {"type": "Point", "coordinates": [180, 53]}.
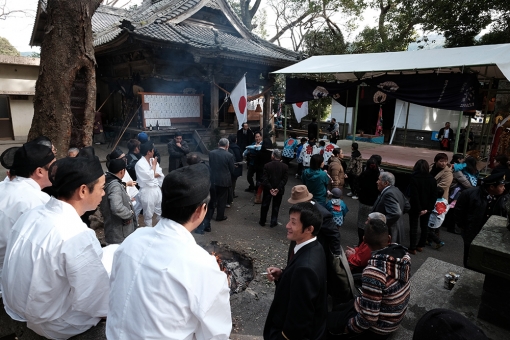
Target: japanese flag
{"type": "Point", "coordinates": [300, 110]}
{"type": "Point", "coordinates": [239, 101]}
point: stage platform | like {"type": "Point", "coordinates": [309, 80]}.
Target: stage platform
{"type": "Point", "coordinates": [399, 158]}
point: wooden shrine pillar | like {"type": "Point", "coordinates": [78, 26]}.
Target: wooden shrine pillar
{"type": "Point", "coordinates": [214, 106]}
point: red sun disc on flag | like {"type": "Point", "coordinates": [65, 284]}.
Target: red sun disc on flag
{"type": "Point", "coordinates": [299, 104]}
{"type": "Point", "coordinates": [242, 104]}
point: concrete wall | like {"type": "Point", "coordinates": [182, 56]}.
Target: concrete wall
{"type": "Point", "coordinates": [18, 76]}
{"type": "Point", "coordinates": [22, 112]}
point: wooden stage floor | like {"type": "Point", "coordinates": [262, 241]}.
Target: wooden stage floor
{"type": "Point", "coordinates": [394, 156]}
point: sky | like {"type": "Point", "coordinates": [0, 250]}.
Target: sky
{"type": "Point", "coordinates": [17, 28]}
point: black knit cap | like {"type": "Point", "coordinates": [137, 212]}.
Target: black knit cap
{"type": "Point", "coordinates": [30, 157]}
{"type": "Point", "coordinates": [445, 324]}
{"type": "Point", "coordinates": [186, 186]}
{"type": "Point", "coordinates": [7, 157]}
{"type": "Point", "coordinates": [69, 173]}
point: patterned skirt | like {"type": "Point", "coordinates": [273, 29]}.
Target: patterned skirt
{"type": "Point", "coordinates": [363, 212]}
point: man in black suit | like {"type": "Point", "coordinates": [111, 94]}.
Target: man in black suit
{"type": "Point", "coordinates": [329, 238]}
{"type": "Point", "coordinates": [312, 129]}
{"type": "Point", "coordinates": [392, 204]}
{"type": "Point", "coordinates": [273, 180]}
{"type": "Point", "coordinates": [446, 137]}
{"type": "Point", "coordinates": [300, 305]}
{"type": "Point", "coordinates": [221, 163]}
{"type": "Point", "coordinates": [244, 137]}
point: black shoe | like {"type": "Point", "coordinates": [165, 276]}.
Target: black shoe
{"type": "Point", "coordinates": [235, 196]}
{"type": "Point", "coordinates": [208, 229]}
{"type": "Point", "coordinates": [250, 189]}
{"type": "Point", "coordinates": [221, 219]}
{"type": "Point", "coordinates": [261, 224]}
{"type": "Point", "coordinates": [273, 225]}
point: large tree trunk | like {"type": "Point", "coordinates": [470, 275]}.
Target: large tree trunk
{"type": "Point", "coordinates": [65, 92]}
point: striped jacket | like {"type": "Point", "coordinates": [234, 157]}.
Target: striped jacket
{"type": "Point", "coordinates": [386, 291]}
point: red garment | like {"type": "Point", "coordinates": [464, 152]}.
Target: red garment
{"type": "Point", "coordinates": [362, 254]}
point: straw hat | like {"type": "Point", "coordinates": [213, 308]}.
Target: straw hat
{"type": "Point", "coordinates": [299, 194]}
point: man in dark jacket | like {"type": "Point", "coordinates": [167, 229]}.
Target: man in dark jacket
{"type": "Point", "coordinates": [476, 205]}
{"type": "Point", "coordinates": [235, 150]}
{"type": "Point", "coordinates": [300, 305]}
{"type": "Point", "coordinates": [132, 157]}
{"type": "Point", "coordinates": [312, 129]}
{"type": "Point", "coordinates": [118, 214]}
{"type": "Point", "coordinates": [329, 238]}
{"type": "Point", "coordinates": [446, 137]}
{"type": "Point", "coordinates": [177, 151]}
{"type": "Point", "coordinates": [244, 137]}
{"type": "Point", "coordinates": [273, 180]}
{"type": "Point", "coordinates": [392, 204]}
{"type": "Point", "coordinates": [221, 163]}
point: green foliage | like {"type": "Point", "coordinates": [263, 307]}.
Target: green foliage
{"type": "Point", "coordinates": [35, 55]}
{"type": "Point", "coordinates": [260, 24]}
{"type": "Point", "coordinates": [324, 42]}
{"type": "Point", "coordinates": [7, 49]}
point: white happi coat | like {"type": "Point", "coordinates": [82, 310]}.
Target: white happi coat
{"type": "Point", "coordinates": [165, 286]}
{"type": "Point", "coordinates": [16, 198]}
{"type": "Point", "coordinates": [150, 191]}
{"type": "Point", "coordinates": [53, 276]}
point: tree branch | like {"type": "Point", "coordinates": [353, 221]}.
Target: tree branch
{"type": "Point", "coordinates": [290, 25]}
{"type": "Point", "coordinates": [254, 8]}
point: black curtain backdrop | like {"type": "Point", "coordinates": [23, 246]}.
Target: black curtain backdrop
{"type": "Point", "coordinates": [453, 91]}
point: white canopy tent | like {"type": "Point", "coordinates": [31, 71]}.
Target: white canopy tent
{"type": "Point", "coordinates": [488, 61]}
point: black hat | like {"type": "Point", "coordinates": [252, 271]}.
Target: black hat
{"type": "Point", "coordinates": [114, 163]}
{"type": "Point", "coordinates": [87, 151]}
{"type": "Point", "coordinates": [7, 157]}
{"type": "Point", "coordinates": [146, 147]}
{"type": "Point", "coordinates": [186, 186]}
{"type": "Point", "coordinates": [68, 174]}
{"type": "Point", "coordinates": [30, 157]}
{"type": "Point", "coordinates": [443, 324]}
{"type": "Point", "coordinates": [495, 179]}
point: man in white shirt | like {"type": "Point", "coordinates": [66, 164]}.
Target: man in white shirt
{"type": "Point", "coordinates": [53, 277]}
{"type": "Point", "coordinates": [164, 285]}
{"type": "Point", "coordinates": [23, 193]}
{"type": "Point", "coordinates": [149, 176]}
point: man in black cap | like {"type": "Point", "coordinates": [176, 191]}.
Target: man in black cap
{"type": "Point", "coordinates": [476, 205]}
{"type": "Point", "coordinates": [53, 277]}
{"type": "Point", "coordinates": [30, 164]}
{"type": "Point", "coordinates": [162, 274]}
{"type": "Point", "coordinates": [118, 213]}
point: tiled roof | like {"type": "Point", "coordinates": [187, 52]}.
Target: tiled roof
{"type": "Point", "coordinates": [165, 20]}
{"type": "Point", "coordinates": [208, 38]}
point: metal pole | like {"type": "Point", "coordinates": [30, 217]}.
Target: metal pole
{"type": "Point", "coordinates": [396, 122]}
{"type": "Point", "coordinates": [466, 137]}
{"type": "Point", "coordinates": [344, 132]}
{"type": "Point", "coordinates": [355, 116]}
{"type": "Point", "coordinates": [484, 126]}
{"type": "Point", "coordinates": [407, 120]}
{"type": "Point", "coordinates": [491, 119]}
{"type": "Point", "coordinates": [458, 133]}
{"type": "Point", "coordinates": [285, 126]}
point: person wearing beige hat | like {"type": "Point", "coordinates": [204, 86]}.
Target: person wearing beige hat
{"type": "Point", "coordinates": [329, 238]}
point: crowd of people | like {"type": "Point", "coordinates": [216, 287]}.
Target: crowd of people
{"type": "Point", "coordinates": [57, 279]}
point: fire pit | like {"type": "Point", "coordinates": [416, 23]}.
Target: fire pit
{"type": "Point", "coordinates": [238, 267]}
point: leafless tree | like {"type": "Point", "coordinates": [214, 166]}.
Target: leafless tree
{"type": "Point", "coordinates": [6, 12]}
